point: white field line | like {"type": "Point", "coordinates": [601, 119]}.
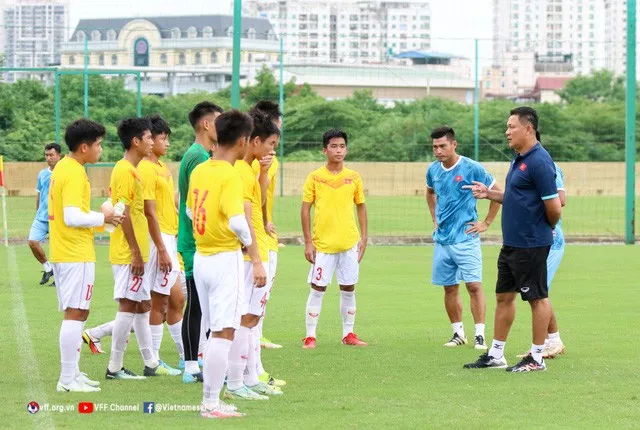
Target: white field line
{"type": "Point", "coordinates": [27, 359]}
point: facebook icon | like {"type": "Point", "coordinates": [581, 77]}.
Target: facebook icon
{"type": "Point", "coordinates": [149, 407]}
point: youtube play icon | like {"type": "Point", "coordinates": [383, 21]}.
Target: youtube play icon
{"type": "Point", "coordinates": [85, 407]}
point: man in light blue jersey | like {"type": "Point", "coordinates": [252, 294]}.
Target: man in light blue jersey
{"type": "Point", "coordinates": [457, 254]}
{"type": "Point", "coordinates": [40, 226]}
{"type": "Point", "coordinates": [553, 344]}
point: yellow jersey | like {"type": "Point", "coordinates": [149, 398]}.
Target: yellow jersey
{"type": "Point", "coordinates": [215, 196]}
{"type": "Point", "coordinates": [334, 196]}
{"type": "Point", "coordinates": [251, 193]}
{"type": "Point", "coordinates": [273, 170]}
{"type": "Point", "coordinates": [157, 184]}
{"type": "Point", "coordinates": [69, 188]}
{"type": "Point", "coordinates": [126, 187]}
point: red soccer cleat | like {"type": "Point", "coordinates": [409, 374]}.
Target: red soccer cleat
{"type": "Point", "coordinates": [352, 339]}
{"type": "Point", "coordinates": [309, 343]}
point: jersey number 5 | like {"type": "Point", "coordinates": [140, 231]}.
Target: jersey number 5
{"type": "Point", "coordinates": [199, 213]}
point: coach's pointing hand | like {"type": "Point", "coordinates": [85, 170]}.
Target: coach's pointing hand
{"type": "Point", "coordinates": [259, 275]}
{"type": "Point", "coordinates": [479, 190]}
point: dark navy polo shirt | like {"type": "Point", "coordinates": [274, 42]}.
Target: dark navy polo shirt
{"type": "Point", "coordinates": [530, 181]}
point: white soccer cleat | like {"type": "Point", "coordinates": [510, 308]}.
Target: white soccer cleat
{"type": "Point", "coordinates": [552, 350]}
{"type": "Point", "coordinates": [83, 378]}
{"type": "Point", "coordinates": [456, 340]}
{"type": "Point", "coordinates": [77, 386]}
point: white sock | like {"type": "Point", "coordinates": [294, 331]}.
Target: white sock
{"type": "Point", "coordinates": [121, 332]}
{"type": "Point", "coordinates": [216, 361]}
{"type": "Point", "coordinates": [103, 330]}
{"type": "Point", "coordinates": [145, 343]}
{"type": "Point", "coordinates": [79, 348]}
{"type": "Point", "coordinates": [70, 331]}
{"type": "Point", "coordinates": [348, 311]}
{"type": "Point", "coordinates": [480, 329]}
{"type": "Point", "coordinates": [191, 367]}
{"type": "Point", "coordinates": [536, 352]}
{"type": "Point", "coordinates": [256, 339]}
{"type": "Point", "coordinates": [497, 349]}
{"type": "Point", "coordinates": [458, 327]}
{"type": "Point", "coordinates": [156, 338]}
{"type": "Point", "coordinates": [176, 334]}
{"type": "Point", "coordinates": [251, 375]}
{"type": "Point", "coordinates": [314, 306]}
{"type": "Point", "coordinates": [47, 266]}
{"type": "Point", "coordinates": [554, 337]}
{"type": "Point", "coordinates": [238, 355]}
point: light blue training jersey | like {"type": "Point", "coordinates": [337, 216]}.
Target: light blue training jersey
{"type": "Point", "coordinates": [558, 235]}
{"type": "Point", "coordinates": [455, 206]}
{"type": "Point", "coordinates": [42, 185]}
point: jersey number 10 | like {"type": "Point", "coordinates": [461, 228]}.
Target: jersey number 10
{"type": "Point", "coordinates": [199, 213]}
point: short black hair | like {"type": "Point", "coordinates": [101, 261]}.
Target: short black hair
{"type": "Point", "coordinates": [332, 134]}
{"type": "Point", "coordinates": [83, 131]}
{"type": "Point", "coordinates": [528, 114]}
{"type": "Point", "coordinates": [231, 126]}
{"type": "Point", "coordinates": [129, 128]}
{"type": "Point", "coordinates": [443, 131]}
{"type": "Point", "coordinates": [263, 125]}
{"type": "Point", "coordinates": [54, 146]}
{"type": "Point", "coordinates": [202, 109]}
{"type": "Point", "coordinates": [269, 108]}
{"type": "Point", "coordinates": [159, 125]}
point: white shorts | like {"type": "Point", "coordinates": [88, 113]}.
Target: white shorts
{"type": "Point", "coordinates": [219, 281]}
{"type": "Point", "coordinates": [345, 264]}
{"type": "Point", "coordinates": [273, 268]}
{"type": "Point", "coordinates": [159, 281]}
{"type": "Point", "coordinates": [255, 299]}
{"type": "Point", "coordinates": [127, 286]}
{"type": "Point", "coordinates": [74, 284]}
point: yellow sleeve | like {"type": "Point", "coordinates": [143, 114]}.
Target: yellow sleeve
{"type": "Point", "coordinates": [309, 190]}
{"type": "Point", "coordinates": [148, 177]}
{"type": "Point", "coordinates": [256, 167]}
{"type": "Point", "coordinates": [358, 195]}
{"type": "Point", "coordinates": [125, 186]}
{"type": "Point", "coordinates": [231, 203]}
{"type": "Point", "coordinates": [72, 190]}
{"type": "Point", "coordinates": [248, 183]}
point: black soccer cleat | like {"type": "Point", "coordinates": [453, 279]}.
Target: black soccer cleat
{"type": "Point", "coordinates": [46, 276]}
{"type": "Point", "coordinates": [487, 362]}
{"type": "Point", "coordinates": [527, 364]}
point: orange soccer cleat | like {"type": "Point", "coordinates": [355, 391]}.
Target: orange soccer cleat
{"type": "Point", "coordinates": [352, 339]}
{"type": "Point", "coordinates": [309, 343]}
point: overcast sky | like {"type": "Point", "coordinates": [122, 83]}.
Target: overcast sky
{"type": "Point", "coordinates": [454, 23]}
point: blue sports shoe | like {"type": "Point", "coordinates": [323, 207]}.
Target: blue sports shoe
{"type": "Point", "coordinates": [189, 378]}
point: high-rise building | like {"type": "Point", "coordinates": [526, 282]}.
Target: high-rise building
{"type": "Point", "coordinates": [347, 31]}
{"type": "Point", "coordinates": [564, 36]}
{"type": "Point", "coordinates": [615, 35]}
{"type": "Point", "coordinates": [34, 31]}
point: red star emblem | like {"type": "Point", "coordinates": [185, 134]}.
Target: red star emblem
{"type": "Point", "coordinates": [458, 178]}
{"type": "Point", "coordinates": [523, 167]}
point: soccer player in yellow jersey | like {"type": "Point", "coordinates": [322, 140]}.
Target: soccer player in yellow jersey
{"type": "Point", "coordinates": [244, 350]}
{"type": "Point", "coordinates": [71, 224]}
{"type": "Point", "coordinates": [336, 244]}
{"type": "Point", "coordinates": [267, 174]}
{"type": "Point", "coordinates": [129, 251]}
{"type": "Point", "coordinates": [215, 204]}
{"type": "Point", "coordinates": [162, 220]}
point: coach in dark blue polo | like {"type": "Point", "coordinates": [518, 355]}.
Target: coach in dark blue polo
{"type": "Point", "coordinates": [530, 210]}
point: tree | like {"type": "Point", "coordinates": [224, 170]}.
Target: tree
{"type": "Point", "coordinates": [602, 86]}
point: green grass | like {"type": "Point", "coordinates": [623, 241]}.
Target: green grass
{"type": "Point", "coordinates": [404, 379]}
{"type": "Point", "coordinates": [391, 216]}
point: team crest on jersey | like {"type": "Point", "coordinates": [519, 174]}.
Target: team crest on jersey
{"type": "Point", "coordinates": [458, 178]}
{"type": "Point", "coordinates": [523, 167]}
{"type": "Point", "coordinates": [348, 181]}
